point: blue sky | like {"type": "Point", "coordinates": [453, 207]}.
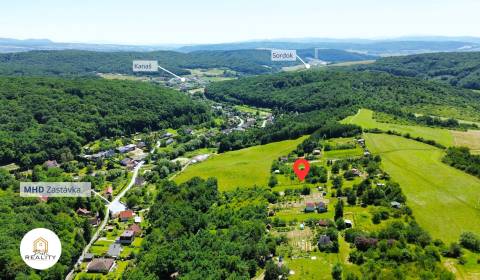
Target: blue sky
{"type": "Point", "coordinates": [214, 21]}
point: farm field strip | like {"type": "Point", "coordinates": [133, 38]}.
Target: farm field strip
{"type": "Point", "coordinates": [470, 138]}
{"type": "Point", "coordinates": [445, 201]}
{"type": "Point", "coordinates": [364, 118]}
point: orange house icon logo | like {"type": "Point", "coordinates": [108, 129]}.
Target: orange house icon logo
{"type": "Point", "coordinates": [40, 245]}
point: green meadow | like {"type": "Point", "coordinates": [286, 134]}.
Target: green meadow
{"type": "Point", "coordinates": [444, 200]}
{"type": "Point", "coordinates": [242, 168]}
{"type": "Point", "coordinates": [364, 118]}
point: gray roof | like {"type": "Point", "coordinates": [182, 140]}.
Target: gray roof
{"type": "Point", "coordinates": [324, 239]}
{"type": "Point", "coordinates": [114, 250]}
{"type": "Point", "coordinates": [128, 233]}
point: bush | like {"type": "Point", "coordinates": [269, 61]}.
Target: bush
{"type": "Point", "coordinates": [337, 271]}
{"type": "Point", "coordinates": [454, 251]}
{"type": "Point", "coordinates": [470, 241]}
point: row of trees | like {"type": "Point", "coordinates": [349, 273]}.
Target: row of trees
{"type": "Point", "coordinates": [461, 158]}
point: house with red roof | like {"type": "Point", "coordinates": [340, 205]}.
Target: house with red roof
{"type": "Point", "coordinates": [126, 215]}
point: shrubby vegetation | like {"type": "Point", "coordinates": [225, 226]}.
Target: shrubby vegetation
{"type": "Point", "coordinates": [460, 157]}
{"type": "Point", "coordinates": [460, 69]}
{"type": "Point", "coordinates": [51, 118]}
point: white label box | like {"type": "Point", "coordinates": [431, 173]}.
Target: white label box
{"type": "Point", "coordinates": [55, 189]}
{"type": "Point", "coordinates": [145, 66]}
{"type": "Point", "coordinates": [284, 55]}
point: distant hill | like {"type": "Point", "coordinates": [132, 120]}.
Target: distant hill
{"type": "Point", "coordinates": [75, 62]}
{"type": "Point", "coordinates": [334, 55]}
{"type": "Point", "coordinates": [380, 48]}
{"type": "Point", "coordinates": [458, 69]}
{"type": "Point", "coordinates": [396, 46]}
{"type": "Point", "coordinates": [8, 45]}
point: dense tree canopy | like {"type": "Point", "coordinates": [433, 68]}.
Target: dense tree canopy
{"type": "Point", "coordinates": [18, 215]}
{"type": "Point", "coordinates": [202, 234]}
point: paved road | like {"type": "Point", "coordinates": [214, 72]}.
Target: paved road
{"type": "Point", "coordinates": [264, 123]}
{"type": "Point", "coordinates": [105, 219]}
{"type": "Point", "coordinates": [241, 122]}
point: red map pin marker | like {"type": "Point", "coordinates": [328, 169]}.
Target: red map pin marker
{"type": "Point", "coordinates": [301, 172]}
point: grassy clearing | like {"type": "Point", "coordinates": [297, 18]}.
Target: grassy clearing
{"type": "Point", "coordinates": [111, 76]}
{"type": "Point", "coordinates": [351, 63]}
{"type": "Point", "coordinates": [445, 201]}
{"type": "Point", "coordinates": [364, 118]}
{"type": "Point", "coordinates": [10, 167]}
{"type": "Point", "coordinates": [468, 271]}
{"type": "Point", "coordinates": [242, 168]}
{"type": "Point", "coordinates": [253, 110]}
{"type": "Point", "coordinates": [469, 139]}
{"type": "Point", "coordinates": [342, 154]}
{"type": "Point", "coordinates": [100, 247]}
{"type": "Point", "coordinates": [318, 265]}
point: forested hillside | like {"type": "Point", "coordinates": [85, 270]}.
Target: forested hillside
{"type": "Point", "coordinates": [334, 55]}
{"type": "Point", "coordinates": [309, 100]}
{"type": "Point", "coordinates": [389, 47]}
{"type": "Point", "coordinates": [74, 62]}
{"type": "Point", "coordinates": [50, 118]}
{"type": "Point", "coordinates": [314, 90]}
{"type": "Point", "coordinates": [458, 69]}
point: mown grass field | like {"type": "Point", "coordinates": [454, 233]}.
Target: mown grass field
{"type": "Point", "coordinates": [242, 168]}
{"type": "Point", "coordinates": [364, 118]}
{"type": "Point", "coordinates": [470, 138]}
{"type": "Point", "coordinates": [445, 201]}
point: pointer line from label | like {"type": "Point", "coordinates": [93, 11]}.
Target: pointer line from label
{"type": "Point", "coordinates": [175, 75]}
{"type": "Point", "coordinates": [306, 64]}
